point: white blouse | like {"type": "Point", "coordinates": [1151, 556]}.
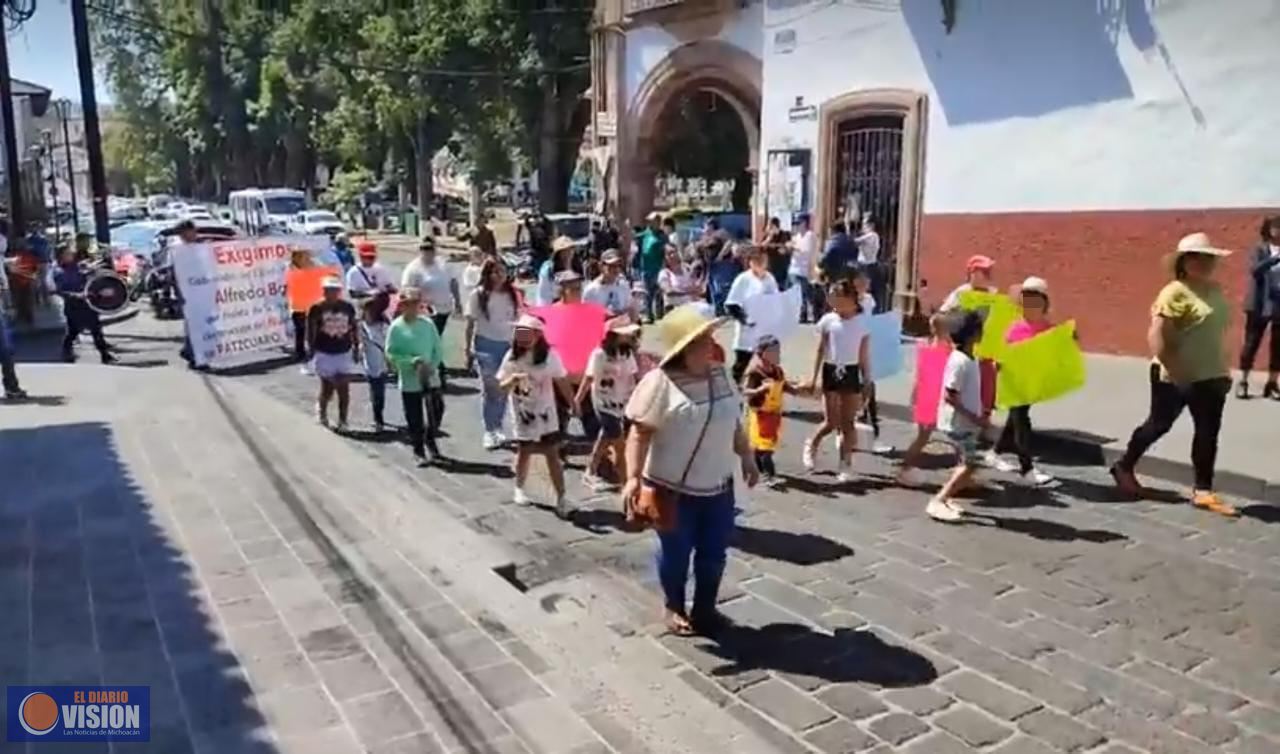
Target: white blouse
{"type": "Point", "coordinates": [677, 410]}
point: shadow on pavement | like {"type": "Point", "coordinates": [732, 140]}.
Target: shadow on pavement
{"type": "Point", "coordinates": [38, 400]}
{"type": "Point", "coordinates": [1267, 514]}
{"type": "Point", "coordinates": [846, 656]}
{"type": "Point", "coordinates": [475, 468]}
{"type": "Point", "coordinates": [1043, 529]}
{"type": "Point", "coordinates": [799, 549]}
{"type": "Point", "coordinates": [82, 560]}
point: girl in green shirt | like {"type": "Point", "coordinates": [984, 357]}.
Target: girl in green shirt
{"type": "Point", "coordinates": [413, 348]}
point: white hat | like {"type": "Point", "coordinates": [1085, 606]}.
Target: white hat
{"type": "Point", "coordinates": [529, 322]}
{"type": "Point", "coordinates": [1194, 243]}
{"type": "Point", "coordinates": [1034, 284]}
{"type": "Point", "coordinates": [331, 283]}
{"type": "Point", "coordinates": [623, 325]}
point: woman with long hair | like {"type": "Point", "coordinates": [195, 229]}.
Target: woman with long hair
{"type": "Point", "coordinates": [1189, 369]}
{"type": "Point", "coordinates": [492, 309]}
{"type": "Point", "coordinates": [686, 436]}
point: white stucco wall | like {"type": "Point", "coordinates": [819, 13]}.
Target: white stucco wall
{"type": "Point", "coordinates": [646, 46]}
{"type": "Point", "coordinates": [1052, 104]}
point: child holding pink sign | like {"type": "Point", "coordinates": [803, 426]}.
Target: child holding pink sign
{"type": "Point", "coordinates": [931, 361]}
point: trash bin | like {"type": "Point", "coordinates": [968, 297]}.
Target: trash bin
{"type": "Point", "coordinates": [409, 222]}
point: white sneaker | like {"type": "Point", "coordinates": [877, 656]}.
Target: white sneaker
{"type": "Point", "coordinates": [520, 498]}
{"type": "Point", "coordinates": [845, 474]}
{"type": "Point", "coordinates": [807, 456]}
{"type": "Point", "coordinates": [1040, 478]}
{"type": "Point", "coordinates": [491, 441]}
{"type": "Point", "coordinates": [908, 477]}
{"type": "Point", "coordinates": [941, 510]}
{"type": "Point", "coordinates": [563, 508]}
{"type": "Point", "coordinates": [992, 460]}
{"type": "Point", "coordinates": [881, 448]}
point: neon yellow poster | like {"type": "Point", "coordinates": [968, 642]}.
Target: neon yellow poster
{"type": "Point", "coordinates": [1040, 369]}
{"type": "Point", "coordinates": [1002, 313]}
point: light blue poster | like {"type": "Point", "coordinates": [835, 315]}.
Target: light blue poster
{"type": "Point", "coordinates": [885, 344]}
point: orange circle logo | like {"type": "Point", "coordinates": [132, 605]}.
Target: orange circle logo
{"type": "Point", "coordinates": [38, 713]}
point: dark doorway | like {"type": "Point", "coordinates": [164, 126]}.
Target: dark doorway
{"type": "Point", "coordinates": [701, 136]}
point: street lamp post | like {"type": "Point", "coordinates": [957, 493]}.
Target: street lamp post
{"type": "Point", "coordinates": [64, 109]}
{"type": "Point", "coordinates": [46, 150]}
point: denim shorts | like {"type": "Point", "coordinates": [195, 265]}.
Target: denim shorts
{"type": "Point", "coordinates": [966, 444]}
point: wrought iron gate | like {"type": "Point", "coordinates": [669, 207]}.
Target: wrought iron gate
{"type": "Point", "coordinates": [869, 182]}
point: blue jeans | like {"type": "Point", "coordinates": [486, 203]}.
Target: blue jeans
{"type": "Point", "coordinates": [489, 355]}
{"type": "Point", "coordinates": [378, 396]}
{"type": "Point", "coordinates": [703, 527]}
{"type": "Point", "coordinates": [654, 306]}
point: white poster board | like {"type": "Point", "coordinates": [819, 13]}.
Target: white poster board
{"type": "Point", "coordinates": [776, 314]}
{"type": "Point", "coordinates": [233, 294]}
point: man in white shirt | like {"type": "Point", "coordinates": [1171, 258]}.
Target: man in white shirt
{"type": "Point", "coordinates": [611, 289]}
{"type": "Point", "coordinates": [754, 281]}
{"type": "Point", "coordinates": [436, 285]}
{"type": "Point", "coordinates": [804, 248]}
{"type": "Point", "coordinates": [368, 276]}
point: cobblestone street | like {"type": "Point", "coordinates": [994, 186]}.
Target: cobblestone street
{"type": "Point", "coordinates": [1060, 620]}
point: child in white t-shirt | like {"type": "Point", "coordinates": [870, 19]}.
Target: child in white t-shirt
{"type": "Point", "coordinates": [609, 381]}
{"type": "Point", "coordinates": [961, 415]}
{"type": "Point", "coordinates": [842, 368]}
{"type": "Point", "coordinates": [532, 374]}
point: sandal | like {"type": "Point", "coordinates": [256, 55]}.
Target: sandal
{"type": "Point", "coordinates": [678, 624]}
{"type": "Point", "coordinates": [1211, 502]}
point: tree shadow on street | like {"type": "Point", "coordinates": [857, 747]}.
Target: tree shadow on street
{"type": "Point", "coordinates": [845, 656]}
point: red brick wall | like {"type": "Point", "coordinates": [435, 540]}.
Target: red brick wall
{"type": "Point", "coordinates": [1103, 268]}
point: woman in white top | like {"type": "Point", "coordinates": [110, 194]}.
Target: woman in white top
{"type": "Point", "coordinates": [686, 437]}
{"type": "Point", "coordinates": [754, 281]}
{"type": "Point", "coordinates": [677, 285]}
{"type": "Point", "coordinates": [844, 369]}
{"type": "Point", "coordinates": [436, 285]}
{"type": "Point", "coordinates": [492, 310]}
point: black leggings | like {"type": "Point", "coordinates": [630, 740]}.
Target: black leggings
{"type": "Point", "coordinates": [764, 462]}
{"type": "Point", "coordinates": [1255, 327]}
{"type": "Point", "coordinates": [422, 415]}
{"type": "Point", "coordinates": [1205, 399]}
{"type": "Point", "coordinates": [440, 320]}
{"type": "Point", "coordinates": [299, 335]}
{"type": "Point", "coordinates": [1016, 437]}
{"type": "Point", "coordinates": [741, 359]}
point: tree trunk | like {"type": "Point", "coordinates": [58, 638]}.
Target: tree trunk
{"type": "Point", "coordinates": [422, 164]}
{"type": "Point", "coordinates": [474, 206]}
{"type": "Point", "coordinates": [552, 189]}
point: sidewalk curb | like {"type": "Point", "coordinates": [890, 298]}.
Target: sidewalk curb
{"type": "Point", "coordinates": [1067, 444]}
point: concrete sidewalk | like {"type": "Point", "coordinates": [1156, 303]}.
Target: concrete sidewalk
{"type": "Point", "coordinates": [280, 593]}
{"type": "Point", "coordinates": [1094, 424]}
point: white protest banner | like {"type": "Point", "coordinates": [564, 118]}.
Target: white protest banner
{"type": "Point", "coordinates": [884, 344]}
{"type": "Point", "coordinates": [776, 314]}
{"type": "Point", "coordinates": [234, 295]}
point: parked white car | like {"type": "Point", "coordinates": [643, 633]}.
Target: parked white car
{"type": "Point", "coordinates": [317, 222]}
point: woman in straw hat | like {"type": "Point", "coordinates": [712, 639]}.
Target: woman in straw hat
{"type": "Point", "coordinates": [563, 259]}
{"type": "Point", "coordinates": [1190, 368]}
{"type": "Point", "coordinates": [686, 435]}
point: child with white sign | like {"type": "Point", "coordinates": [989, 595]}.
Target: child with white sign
{"type": "Point", "coordinates": [755, 281]}
{"type": "Point", "coordinates": [843, 369]}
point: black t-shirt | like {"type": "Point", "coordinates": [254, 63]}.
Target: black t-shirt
{"type": "Point", "coordinates": [331, 324]}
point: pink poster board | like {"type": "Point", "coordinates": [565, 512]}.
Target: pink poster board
{"type": "Point", "coordinates": [574, 330]}
{"type": "Point", "coordinates": [931, 362]}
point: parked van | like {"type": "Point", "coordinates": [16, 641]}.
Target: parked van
{"type": "Point", "coordinates": [262, 211]}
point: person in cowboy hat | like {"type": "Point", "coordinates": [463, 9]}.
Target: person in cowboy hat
{"type": "Point", "coordinates": [563, 259]}
{"type": "Point", "coordinates": [369, 276]}
{"type": "Point", "coordinates": [686, 436]}
{"type": "Point", "coordinates": [334, 340]}
{"type": "Point", "coordinates": [610, 289]}
{"type": "Point", "coordinates": [438, 287]}
{"type": "Point", "coordinates": [1189, 369]}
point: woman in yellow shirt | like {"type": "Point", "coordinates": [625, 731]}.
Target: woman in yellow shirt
{"type": "Point", "coordinates": [1190, 369]}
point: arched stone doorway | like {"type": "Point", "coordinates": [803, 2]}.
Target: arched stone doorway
{"type": "Point", "coordinates": [728, 72]}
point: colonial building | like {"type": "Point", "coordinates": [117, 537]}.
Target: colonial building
{"type": "Point", "coordinates": [1072, 139]}
{"type": "Point", "coordinates": [649, 53]}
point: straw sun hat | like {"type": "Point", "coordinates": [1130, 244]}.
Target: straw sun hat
{"type": "Point", "coordinates": [561, 243]}
{"type": "Point", "coordinates": [681, 326]}
{"type": "Point", "coordinates": [1195, 243]}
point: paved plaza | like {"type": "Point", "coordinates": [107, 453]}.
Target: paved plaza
{"type": "Point", "coordinates": [285, 589]}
